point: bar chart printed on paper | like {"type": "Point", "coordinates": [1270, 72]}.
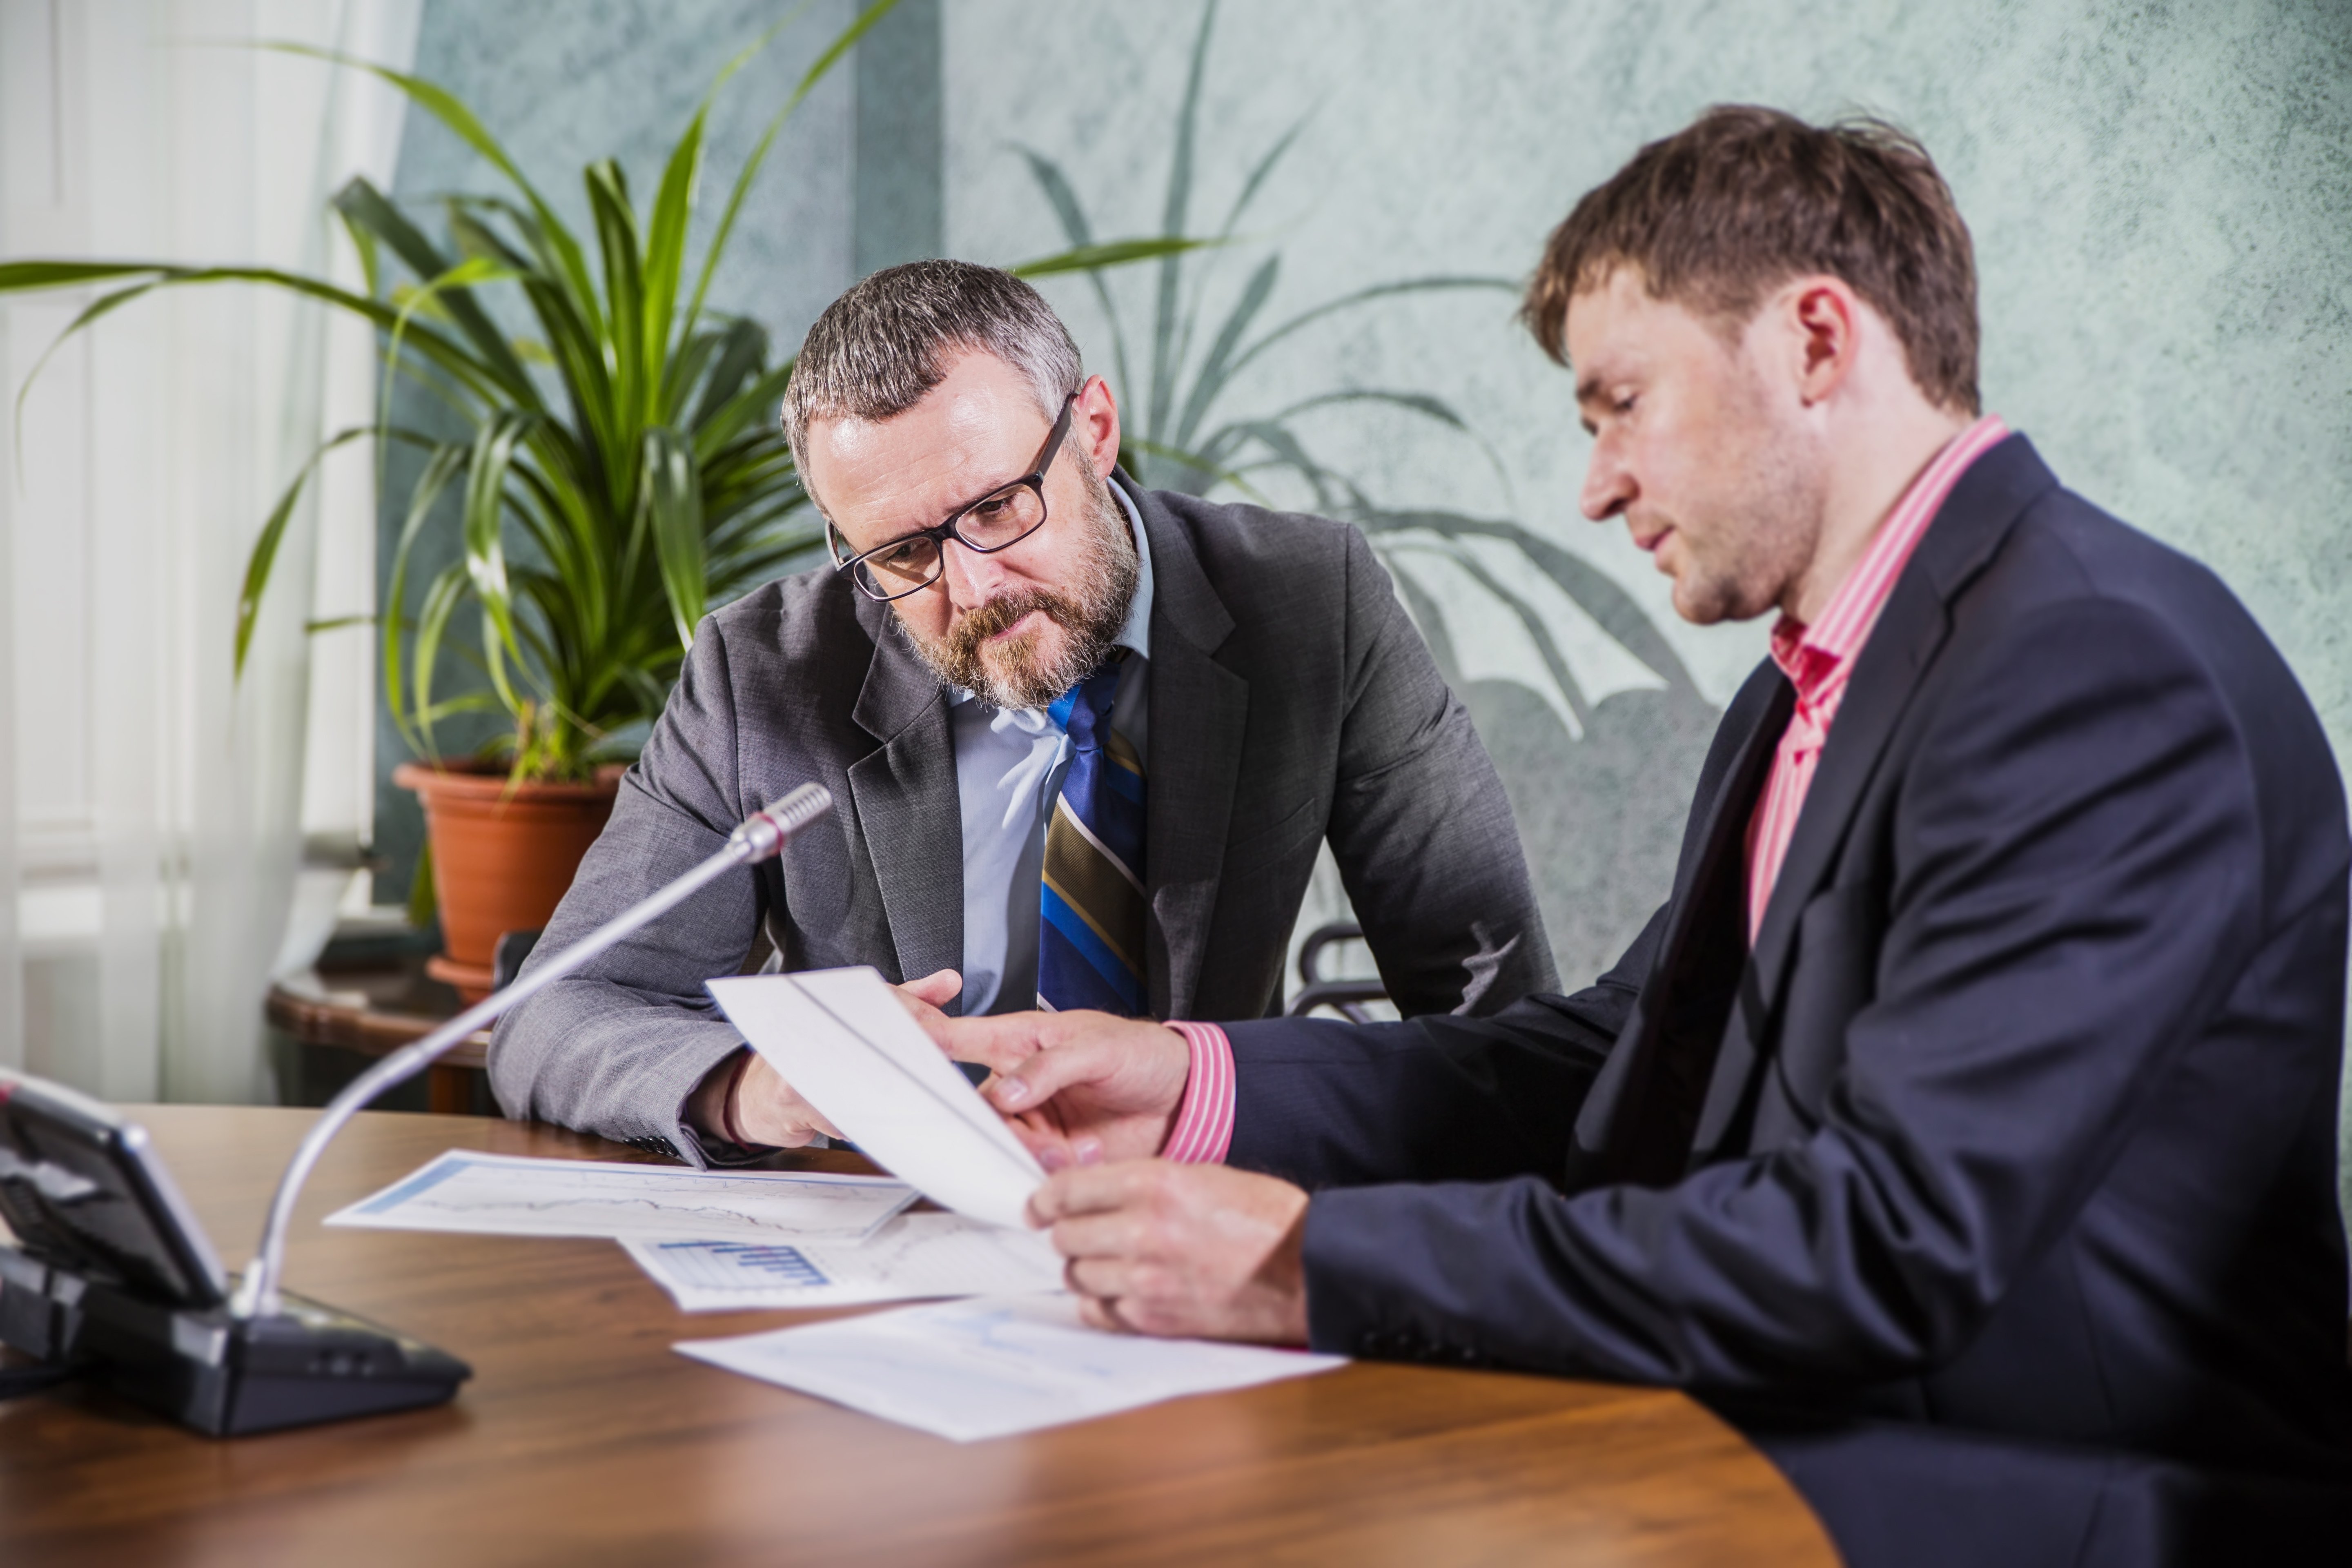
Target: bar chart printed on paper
{"type": "Point", "coordinates": [914, 1256]}
{"type": "Point", "coordinates": [505, 1196]}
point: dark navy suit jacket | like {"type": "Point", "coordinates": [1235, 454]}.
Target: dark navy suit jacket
{"type": "Point", "coordinates": [2005, 1158]}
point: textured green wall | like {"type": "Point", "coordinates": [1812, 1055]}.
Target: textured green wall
{"type": "Point", "coordinates": [2162, 201]}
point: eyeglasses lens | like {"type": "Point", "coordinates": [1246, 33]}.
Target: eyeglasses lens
{"type": "Point", "coordinates": [901, 569]}
{"type": "Point", "coordinates": [1001, 517]}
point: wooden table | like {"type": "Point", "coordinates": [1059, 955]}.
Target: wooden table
{"type": "Point", "coordinates": [376, 1007]}
{"type": "Point", "coordinates": [585, 1439]}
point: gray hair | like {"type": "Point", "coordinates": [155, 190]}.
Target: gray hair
{"type": "Point", "coordinates": [885, 342]}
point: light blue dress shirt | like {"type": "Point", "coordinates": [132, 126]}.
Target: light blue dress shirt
{"type": "Point", "coordinates": [1009, 767]}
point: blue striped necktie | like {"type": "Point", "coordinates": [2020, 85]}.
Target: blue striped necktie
{"type": "Point", "coordinates": [1090, 941]}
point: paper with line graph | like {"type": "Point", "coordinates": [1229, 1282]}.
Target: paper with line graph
{"type": "Point", "coordinates": [506, 1195]}
{"type": "Point", "coordinates": [913, 1256]}
{"type": "Point", "coordinates": [994, 1366]}
{"type": "Point", "coordinates": [840, 1038]}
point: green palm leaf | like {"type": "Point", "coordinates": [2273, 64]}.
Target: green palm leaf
{"type": "Point", "coordinates": [264, 554]}
{"type": "Point", "coordinates": [673, 498]}
{"type": "Point", "coordinates": [1098, 258]}
{"type": "Point", "coordinates": [825, 62]}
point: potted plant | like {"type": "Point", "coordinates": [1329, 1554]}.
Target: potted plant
{"type": "Point", "coordinates": [621, 471]}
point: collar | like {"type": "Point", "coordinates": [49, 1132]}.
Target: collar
{"type": "Point", "coordinates": [1817, 658]}
{"type": "Point", "coordinates": [1135, 634]}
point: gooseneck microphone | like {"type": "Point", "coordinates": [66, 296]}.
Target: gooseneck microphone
{"type": "Point", "coordinates": [109, 1274]}
{"type": "Point", "coordinates": [760, 837]}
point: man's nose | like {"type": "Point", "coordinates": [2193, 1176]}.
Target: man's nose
{"type": "Point", "coordinates": [1608, 482]}
{"type": "Point", "coordinates": [972, 578]}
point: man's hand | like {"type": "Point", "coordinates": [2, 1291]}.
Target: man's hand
{"type": "Point", "coordinates": [925, 997]}
{"type": "Point", "coordinates": [762, 1109]}
{"type": "Point", "coordinates": [1078, 1088]}
{"type": "Point", "coordinates": [1202, 1251]}
{"type": "Point", "coordinates": [757, 1107]}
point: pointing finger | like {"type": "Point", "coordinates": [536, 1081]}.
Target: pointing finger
{"type": "Point", "coordinates": [1000, 1043]}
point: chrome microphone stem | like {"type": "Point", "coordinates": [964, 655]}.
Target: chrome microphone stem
{"type": "Point", "coordinates": [758, 838]}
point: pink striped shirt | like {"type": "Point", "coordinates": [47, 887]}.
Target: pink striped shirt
{"type": "Point", "coordinates": [1203, 1129]}
{"type": "Point", "coordinates": [1817, 659]}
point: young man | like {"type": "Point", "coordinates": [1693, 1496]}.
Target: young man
{"type": "Point", "coordinates": [1083, 742]}
{"type": "Point", "coordinates": [1963, 1125]}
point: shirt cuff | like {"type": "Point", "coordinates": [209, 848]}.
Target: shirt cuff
{"type": "Point", "coordinates": [1204, 1121]}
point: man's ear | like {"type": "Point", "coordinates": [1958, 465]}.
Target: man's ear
{"type": "Point", "coordinates": [1094, 425]}
{"type": "Point", "coordinates": [1827, 321]}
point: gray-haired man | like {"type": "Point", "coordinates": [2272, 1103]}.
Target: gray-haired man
{"type": "Point", "coordinates": [1083, 742]}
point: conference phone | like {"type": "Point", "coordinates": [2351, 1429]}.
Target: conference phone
{"type": "Point", "coordinates": [111, 1276]}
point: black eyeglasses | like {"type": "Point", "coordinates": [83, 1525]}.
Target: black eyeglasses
{"type": "Point", "coordinates": [1004, 516]}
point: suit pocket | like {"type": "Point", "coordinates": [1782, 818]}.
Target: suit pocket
{"type": "Point", "coordinates": [1832, 975]}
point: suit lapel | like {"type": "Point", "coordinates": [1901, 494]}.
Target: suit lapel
{"type": "Point", "coordinates": [1885, 672]}
{"type": "Point", "coordinates": [907, 802]}
{"type": "Point", "coordinates": [1975, 518]}
{"type": "Point", "coordinates": [1619, 1135]}
{"type": "Point", "coordinates": [1200, 710]}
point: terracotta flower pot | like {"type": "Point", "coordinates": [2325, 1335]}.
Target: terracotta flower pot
{"type": "Point", "coordinates": [502, 856]}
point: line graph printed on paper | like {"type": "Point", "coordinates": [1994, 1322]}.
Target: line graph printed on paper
{"type": "Point", "coordinates": [986, 1368]}
{"type": "Point", "coordinates": [914, 1256]}
{"type": "Point", "coordinates": [505, 1195]}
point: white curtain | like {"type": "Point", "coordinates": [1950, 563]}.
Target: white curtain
{"type": "Point", "coordinates": [152, 810]}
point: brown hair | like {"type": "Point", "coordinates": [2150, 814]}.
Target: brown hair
{"type": "Point", "coordinates": [1745, 198]}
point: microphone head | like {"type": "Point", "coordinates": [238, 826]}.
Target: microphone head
{"type": "Point", "coordinates": [766, 832]}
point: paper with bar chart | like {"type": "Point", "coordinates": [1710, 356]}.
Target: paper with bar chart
{"type": "Point", "coordinates": [506, 1195]}
{"type": "Point", "coordinates": [994, 1366]}
{"type": "Point", "coordinates": [913, 1256]}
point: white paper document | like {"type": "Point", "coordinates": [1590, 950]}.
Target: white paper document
{"type": "Point", "coordinates": [505, 1195]}
{"type": "Point", "coordinates": [841, 1039]}
{"type": "Point", "coordinates": [913, 1256]}
{"type": "Point", "coordinates": [994, 1366]}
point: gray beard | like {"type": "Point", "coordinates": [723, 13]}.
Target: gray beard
{"type": "Point", "coordinates": [1090, 615]}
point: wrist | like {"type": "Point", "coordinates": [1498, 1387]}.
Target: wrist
{"type": "Point", "coordinates": [712, 1111]}
{"type": "Point", "coordinates": [706, 1106]}
{"type": "Point", "coordinates": [728, 1126]}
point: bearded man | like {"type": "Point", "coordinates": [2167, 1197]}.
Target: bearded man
{"type": "Point", "coordinates": [1085, 743]}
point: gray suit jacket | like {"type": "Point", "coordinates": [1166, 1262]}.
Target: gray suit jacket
{"type": "Point", "coordinates": [1292, 701]}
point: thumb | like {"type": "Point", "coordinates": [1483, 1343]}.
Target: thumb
{"type": "Point", "coordinates": [938, 988]}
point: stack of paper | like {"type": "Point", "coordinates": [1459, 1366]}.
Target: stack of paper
{"type": "Point", "coordinates": [740, 1239]}
{"type": "Point", "coordinates": [988, 1368]}
{"type": "Point", "coordinates": [846, 1045]}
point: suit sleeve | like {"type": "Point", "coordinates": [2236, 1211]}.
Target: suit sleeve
{"type": "Point", "coordinates": [1420, 827]}
{"type": "Point", "coordinates": [2076, 887]}
{"type": "Point", "coordinates": [617, 1049]}
{"type": "Point", "coordinates": [1433, 1100]}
